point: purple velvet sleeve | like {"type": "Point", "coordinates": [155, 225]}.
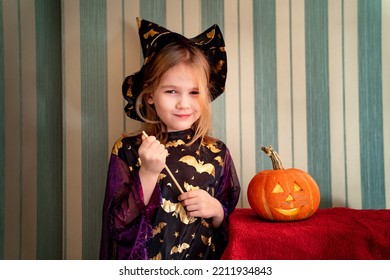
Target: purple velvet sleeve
{"type": "Point", "coordinates": [228, 194]}
{"type": "Point", "coordinates": [126, 220]}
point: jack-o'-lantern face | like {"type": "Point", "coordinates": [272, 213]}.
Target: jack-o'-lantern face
{"type": "Point", "coordinates": [283, 194]}
{"type": "Point", "coordinates": [289, 206]}
{"type": "Point", "coordinates": [290, 194]}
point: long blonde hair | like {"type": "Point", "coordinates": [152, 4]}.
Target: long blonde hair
{"type": "Point", "coordinates": [168, 57]}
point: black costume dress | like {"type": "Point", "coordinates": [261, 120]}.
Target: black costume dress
{"type": "Point", "coordinates": [162, 229]}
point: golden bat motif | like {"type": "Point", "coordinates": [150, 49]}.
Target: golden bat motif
{"type": "Point", "coordinates": [211, 34]}
{"type": "Point", "coordinates": [189, 187]}
{"type": "Point", "coordinates": [212, 148]}
{"type": "Point", "coordinates": [219, 66]}
{"type": "Point", "coordinates": [156, 257]}
{"type": "Point", "coordinates": [199, 165]}
{"type": "Point", "coordinates": [157, 229]}
{"type": "Point", "coordinates": [118, 144]}
{"type": "Point", "coordinates": [174, 143]}
{"type": "Point", "coordinates": [178, 211]}
{"type": "Point", "coordinates": [179, 248]}
{"type": "Point", "coordinates": [220, 160]}
{"type": "Point", "coordinates": [205, 223]}
{"type": "Point", "coordinates": [150, 33]}
{"type": "Point", "coordinates": [161, 176]}
{"type": "Point", "coordinates": [208, 241]}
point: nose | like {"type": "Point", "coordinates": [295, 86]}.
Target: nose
{"type": "Point", "coordinates": [183, 102]}
{"type": "Point", "coordinates": [289, 198]}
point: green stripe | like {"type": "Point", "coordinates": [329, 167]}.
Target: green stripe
{"type": "Point", "coordinates": [317, 96]}
{"type": "Point", "coordinates": [370, 104]}
{"type": "Point", "coordinates": [266, 110]}
{"type": "Point", "coordinates": [49, 134]}
{"type": "Point", "coordinates": [212, 12]}
{"type": "Point", "coordinates": [93, 50]}
{"type": "Point", "coordinates": [154, 10]}
{"type": "Point", "coordinates": [2, 136]}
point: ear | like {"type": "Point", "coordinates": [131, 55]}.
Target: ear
{"type": "Point", "coordinates": [149, 98]}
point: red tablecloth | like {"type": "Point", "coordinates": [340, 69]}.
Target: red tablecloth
{"type": "Point", "coordinates": [330, 234]}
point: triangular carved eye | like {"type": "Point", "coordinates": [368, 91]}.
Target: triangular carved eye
{"type": "Point", "coordinates": [297, 188]}
{"type": "Point", "coordinates": [278, 189]}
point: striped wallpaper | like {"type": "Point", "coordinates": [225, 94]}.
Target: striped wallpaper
{"type": "Point", "coordinates": [310, 77]}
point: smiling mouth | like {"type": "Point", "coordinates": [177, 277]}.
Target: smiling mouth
{"type": "Point", "coordinates": [288, 212]}
{"type": "Point", "coordinates": [183, 116]}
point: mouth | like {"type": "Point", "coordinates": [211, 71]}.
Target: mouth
{"type": "Point", "coordinates": [183, 116]}
{"type": "Point", "coordinates": [288, 212]}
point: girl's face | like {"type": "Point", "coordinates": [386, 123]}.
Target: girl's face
{"type": "Point", "coordinates": [177, 98]}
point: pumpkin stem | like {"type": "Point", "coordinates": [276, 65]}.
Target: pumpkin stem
{"type": "Point", "coordinates": [276, 162]}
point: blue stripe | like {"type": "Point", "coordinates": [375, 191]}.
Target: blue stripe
{"type": "Point", "coordinates": [317, 96]}
{"type": "Point", "coordinates": [154, 10]}
{"type": "Point", "coordinates": [370, 104]}
{"type": "Point", "coordinates": [93, 53]}
{"type": "Point", "coordinates": [2, 136]}
{"type": "Point", "coordinates": [212, 12]}
{"type": "Point", "coordinates": [266, 111]}
{"type": "Point", "coordinates": [49, 134]}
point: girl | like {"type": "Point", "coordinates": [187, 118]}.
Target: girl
{"type": "Point", "coordinates": [149, 211]}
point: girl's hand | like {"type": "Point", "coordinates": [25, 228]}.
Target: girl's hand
{"type": "Point", "coordinates": [152, 154]}
{"type": "Point", "coordinates": [200, 203]}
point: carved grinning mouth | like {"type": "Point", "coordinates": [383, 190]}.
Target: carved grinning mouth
{"type": "Point", "coordinates": [288, 212]}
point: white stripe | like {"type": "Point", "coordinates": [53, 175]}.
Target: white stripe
{"type": "Point", "coordinates": [386, 93]}
{"type": "Point", "coordinates": [72, 109]}
{"type": "Point", "coordinates": [132, 51]}
{"type": "Point", "coordinates": [247, 97]}
{"type": "Point", "coordinates": [283, 81]}
{"type": "Point", "coordinates": [352, 103]}
{"type": "Point", "coordinates": [29, 130]}
{"type": "Point", "coordinates": [192, 18]}
{"type": "Point", "coordinates": [336, 100]}
{"type": "Point", "coordinates": [299, 83]}
{"type": "Point", "coordinates": [232, 97]}
{"type": "Point", "coordinates": [115, 71]}
{"type": "Point", "coordinates": [174, 16]}
{"type": "Point", "coordinates": [11, 130]}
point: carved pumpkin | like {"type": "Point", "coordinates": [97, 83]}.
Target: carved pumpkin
{"type": "Point", "coordinates": [283, 194]}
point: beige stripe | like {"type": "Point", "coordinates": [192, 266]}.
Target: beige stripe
{"type": "Point", "coordinates": [283, 81]}
{"type": "Point", "coordinates": [115, 71]}
{"type": "Point", "coordinates": [232, 97]}
{"type": "Point", "coordinates": [132, 51]}
{"type": "Point", "coordinates": [11, 131]}
{"type": "Point", "coordinates": [72, 107]}
{"type": "Point", "coordinates": [352, 103]}
{"type": "Point", "coordinates": [336, 99]}
{"type": "Point", "coordinates": [299, 83]}
{"type": "Point", "coordinates": [29, 130]}
{"type": "Point", "coordinates": [174, 15]}
{"type": "Point", "coordinates": [386, 93]}
{"type": "Point", "coordinates": [192, 17]}
{"type": "Point", "coordinates": [247, 97]}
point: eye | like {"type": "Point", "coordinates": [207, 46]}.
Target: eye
{"type": "Point", "coordinates": [194, 92]}
{"type": "Point", "coordinates": [171, 91]}
{"type": "Point", "coordinates": [278, 189]}
{"type": "Point", "coordinates": [297, 188]}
